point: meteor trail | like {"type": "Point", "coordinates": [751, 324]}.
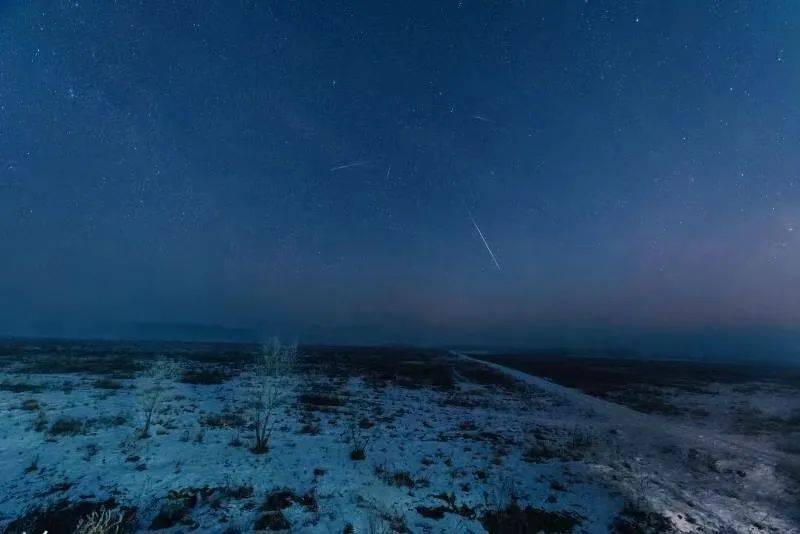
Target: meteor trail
{"type": "Point", "coordinates": [348, 165]}
{"type": "Point", "coordinates": [488, 248]}
{"type": "Point", "coordinates": [481, 118]}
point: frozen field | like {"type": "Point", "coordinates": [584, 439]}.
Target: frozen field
{"type": "Point", "coordinates": [383, 440]}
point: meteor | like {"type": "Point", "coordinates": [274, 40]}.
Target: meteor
{"type": "Point", "coordinates": [485, 243]}
{"type": "Point", "coordinates": [348, 165]}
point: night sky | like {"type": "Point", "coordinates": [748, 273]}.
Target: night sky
{"type": "Point", "coordinates": [326, 169]}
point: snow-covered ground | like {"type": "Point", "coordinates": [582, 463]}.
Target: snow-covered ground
{"type": "Point", "coordinates": [706, 474]}
{"type": "Point", "coordinates": [490, 448]}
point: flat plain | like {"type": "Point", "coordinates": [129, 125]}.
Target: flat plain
{"type": "Point", "coordinates": [163, 437]}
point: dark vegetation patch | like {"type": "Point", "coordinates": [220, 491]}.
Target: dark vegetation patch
{"type": "Point", "coordinates": [118, 359]}
{"type": "Point", "coordinates": [237, 492]}
{"type": "Point", "coordinates": [236, 355]}
{"type": "Point", "coordinates": [63, 516]}
{"type": "Point", "coordinates": [514, 519]}
{"type": "Point", "coordinates": [573, 444]}
{"type": "Point", "coordinates": [277, 501]}
{"type": "Point", "coordinates": [365, 423]}
{"type": "Point", "coordinates": [634, 519]}
{"type": "Point", "coordinates": [223, 420]}
{"type": "Point", "coordinates": [281, 499]}
{"type": "Point", "coordinates": [33, 466]}
{"type": "Point", "coordinates": [498, 440]}
{"type": "Point", "coordinates": [177, 508]}
{"type": "Point", "coordinates": [61, 487]}
{"type": "Point", "coordinates": [401, 366]}
{"type": "Point", "coordinates": [272, 521]}
{"type": "Point", "coordinates": [72, 426]}
{"type": "Point", "coordinates": [315, 401]}
{"type": "Point", "coordinates": [171, 514]}
{"type": "Point", "coordinates": [647, 400]}
{"type": "Point", "coordinates": [432, 512]}
{"type": "Point", "coordinates": [358, 439]}
{"type": "Point", "coordinates": [20, 387]}
{"type": "Point", "coordinates": [107, 383]}
{"type": "Point", "coordinates": [401, 479]}
{"type": "Point", "coordinates": [178, 504]}
{"type": "Point", "coordinates": [40, 423]}
{"type": "Point", "coordinates": [114, 366]}
{"type": "Point", "coordinates": [541, 452]}
{"type": "Point", "coordinates": [389, 522]}
{"type": "Point", "coordinates": [206, 376]}
{"type": "Point", "coordinates": [67, 426]}
{"type": "Point", "coordinates": [464, 400]}
{"type": "Point", "coordinates": [450, 505]}
{"type": "Point", "coordinates": [310, 428]}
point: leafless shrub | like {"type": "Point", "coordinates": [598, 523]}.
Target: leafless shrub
{"type": "Point", "coordinates": [377, 524]}
{"type": "Point", "coordinates": [154, 385]}
{"type": "Point", "coordinates": [103, 521]}
{"type": "Point", "coordinates": [40, 423]}
{"type": "Point", "coordinates": [33, 466]}
{"type": "Point", "coordinates": [81, 516]}
{"type": "Point", "coordinates": [272, 371]}
{"type": "Point", "coordinates": [539, 452]}
{"type": "Point", "coordinates": [385, 522]}
{"type": "Point", "coordinates": [358, 439]}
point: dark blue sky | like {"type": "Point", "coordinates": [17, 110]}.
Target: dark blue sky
{"type": "Point", "coordinates": [630, 164]}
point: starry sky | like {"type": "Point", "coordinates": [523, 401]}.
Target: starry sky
{"type": "Point", "coordinates": [455, 171]}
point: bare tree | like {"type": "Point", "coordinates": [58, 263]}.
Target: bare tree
{"type": "Point", "coordinates": [271, 382]}
{"type": "Point", "coordinates": [154, 386]}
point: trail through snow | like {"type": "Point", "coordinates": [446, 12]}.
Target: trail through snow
{"type": "Point", "coordinates": [622, 416]}
{"type": "Point", "coordinates": [672, 486]}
